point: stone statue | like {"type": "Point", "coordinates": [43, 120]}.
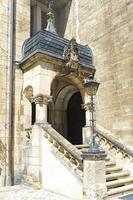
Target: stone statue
{"type": "Point", "coordinates": [71, 54]}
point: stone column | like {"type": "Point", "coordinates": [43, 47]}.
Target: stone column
{"type": "Point", "coordinates": [41, 102]}
{"type": "Point", "coordinates": [86, 129]}
{"type": "Point", "coordinates": [94, 181]}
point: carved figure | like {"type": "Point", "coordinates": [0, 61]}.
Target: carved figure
{"type": "Point", "coordinates": [71, 54]}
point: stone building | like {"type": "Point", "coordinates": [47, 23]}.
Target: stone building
{"type": "Point", "coordinates": [42, 79]}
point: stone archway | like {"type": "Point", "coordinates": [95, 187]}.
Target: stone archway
{"type": "Point", "coordinates": [65, 95]}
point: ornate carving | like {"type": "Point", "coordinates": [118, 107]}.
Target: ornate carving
{"type": "Point", "coordinates": [65, 155]}
{"type": "Point", "coordinates": [28, 92]}
{"type": "Point", "coordinates": [50, 22]}
{"type": "Point", "coordinates": [71, 55]}
{"type": "Point", "coordinates": [28, 135]}
{"type": "Point", "coordinates": [108, 145]}
{"type": "Point", "coordinates": [42, 99]}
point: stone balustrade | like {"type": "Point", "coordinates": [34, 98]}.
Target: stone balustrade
{"type": "Point", "coordinates": [89, 168]}
{"type": "Point", "coordinates": [116, 150]}
{"type": "Point", "coordinates": [110, 143]}
{"type": "Point", "coordinates": [64, 150]}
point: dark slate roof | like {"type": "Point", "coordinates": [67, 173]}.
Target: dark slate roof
{"type": "Point", "coordinates": [52, 44]}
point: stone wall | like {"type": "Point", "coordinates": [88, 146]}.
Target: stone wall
{"type": "Point", "coordinates": [22, 31]}
{"type": "Point", "coordinates": [107, 26]}
{"type": "Point", "coordinates": [4, 22]}
{"type": "Point", "coordinates": [3, 66]}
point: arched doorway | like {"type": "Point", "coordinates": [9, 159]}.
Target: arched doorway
{"type": "Point", "coordinates": [75, 119]}
{"type": "Point", "coordinates": [65, 113]}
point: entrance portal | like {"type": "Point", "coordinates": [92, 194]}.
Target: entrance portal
{"type": "Point", "coordinates": [75, 119]}
{"type": "Point", "coordinates": [65, 113]}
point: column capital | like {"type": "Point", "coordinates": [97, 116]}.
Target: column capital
{"type": "Point", "coordinates": [42, 99]}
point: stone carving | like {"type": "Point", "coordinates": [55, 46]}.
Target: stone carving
{"type": "Point", "coordinates": [42, 99]}
{"type": "Point", "coordinates": [108, 145]}
{"type": "Point", "coordinates": [28, 92]}
{"type": "Point", "coordinates": [71, 55]}
{"type": "Point", "coordinates": [50, 15]}
{"type": "Point", "coordinates": [65, 154]}
{"type": "Point", "coordinates": [28, 135]}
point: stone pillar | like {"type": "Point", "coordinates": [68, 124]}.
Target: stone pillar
{"type": "Point", "coordinates": [94, 181]}
{"type": "Point", "coordinates": [86, 129]}
{"type": "Point", "coordinates": [41, 102]}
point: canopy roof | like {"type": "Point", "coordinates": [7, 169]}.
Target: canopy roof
{"type": "Point", "coordinates": [51, 44]}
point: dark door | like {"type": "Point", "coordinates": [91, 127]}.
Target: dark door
{"type": "Point", "coordinates": [75, 119]}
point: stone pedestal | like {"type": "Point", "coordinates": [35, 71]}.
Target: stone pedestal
{"type": "Point", "coordinates": [41, 107]}
{"type": "Point", "coordinates": [94, 181]}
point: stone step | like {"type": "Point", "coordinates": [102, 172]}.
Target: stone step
{"type": "Point", "coordinates": [120, 182]}
{"type": "Point", "coordinates": [120, 190]}
{"type": "Point", "coordinates": [82, 146]}
{"type": "Point", "coordinates": [107, 159]}
{"type": "Point", "coordinates": [122, 174]}
{"type": "Point", "coordinates": [110, 163]}
{"type": "Point", "coordinates": [113, 169]}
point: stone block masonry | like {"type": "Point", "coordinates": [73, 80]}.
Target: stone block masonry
{"type": "Point", "coordinates": [107, 27]}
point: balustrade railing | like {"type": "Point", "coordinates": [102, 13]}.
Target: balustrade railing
{"type": "Point", "coordinates": [108, 142]}
{"type": "Point", "coordinates": [64, 149]}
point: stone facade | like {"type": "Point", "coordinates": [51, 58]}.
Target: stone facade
{"type": "Point", "coordinates": [22, 32]}
{"type": "Point", "coordinates": [107, 27]}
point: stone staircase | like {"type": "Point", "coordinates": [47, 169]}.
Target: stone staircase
{"type": "Point", "coordinates": [119, 182]}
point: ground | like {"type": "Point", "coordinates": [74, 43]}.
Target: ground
{"type": "Point", "coordinates": [27, 193]}
{"type": "Point", "coordinates": [24, 192]}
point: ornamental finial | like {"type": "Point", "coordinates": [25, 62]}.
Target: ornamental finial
{"type": "Point", "coordinates": [50, 21]}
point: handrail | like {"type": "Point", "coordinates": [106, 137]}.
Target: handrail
{"type": "Point", "coordinates": [116, 143]}
{"type": "Point", "coordinates": [62, 142]}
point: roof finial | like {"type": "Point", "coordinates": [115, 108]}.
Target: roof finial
{"type": "Point", "coordinates": [50, 22]}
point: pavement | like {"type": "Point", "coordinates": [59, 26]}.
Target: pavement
{"type": "Point", "coordinates": [22, 192]}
